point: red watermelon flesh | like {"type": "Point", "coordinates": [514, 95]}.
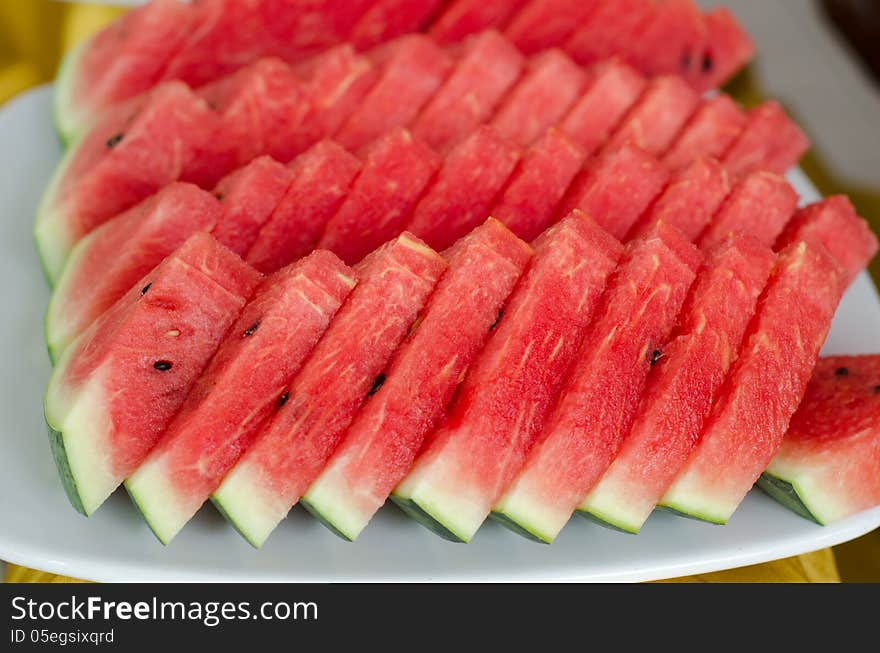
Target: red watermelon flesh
{"type": "Point", "coordinates": [528, 203]}
{"type": "Point", "coordinates": [500, 407]}
{"type": "Point", "coordinates": [248, 197]}
{"type": "Point", "coordinates": [749, 419]}
{"type": "Point", "coordinates": [827, 466]}
{"type": "Point", "coordinates": [834, 224]}
{"type": "Point", "coordinates": [658, 116]}
{"type": "Point", "coordinates": [709, 133]}
{"type": "Point", "coordinates": [672, 42]}
{"type": "Point", "coordinates": [688, 373]}
{"type": "Point", "coordinates": [386, 19]}
{"type": "Point", "coordinates": [760, 205]}
{"type": "Point", "coordinates": [393, 284]}
{"type": "Point", "coordinates": [380, 445]}
{"type": "Point", "coordinates": [320, 181]}
{"type": "Point", "coordinates": [543, 24]}
{"type": "Point", "coordinates": [598, 402]}
{"type": "Point", "coordinates": [460, 18]}
{"type": "Point", "coordinates": [728, 48]}
{"type": "Point", "coordinates": [613, 89]}
{"type": "Point", "coordinates": [612, 29]}
{"type": "Point", "coordinates": [545, 94]}
{"type": "Point", "coordinates": [396, 171]}
{"type": "Point", "coordinates": [118, 385]}
{"type": "Point", "coordinates": [414, 69]}
{"type": "Point", "coordinates": [109, 261]}
{"type": "Point", "coordinates": [770, 141]}
{"type": "Point", "coordinates": [487, 68]}
{"type": "Point", "coordinates": [466, 186]}
{"type": "Point", "coordinates": [616, 188]}
{"type": "Point", "coordinates": [241, 388]}
{"type": "Point", "coordinates": [689, 201]}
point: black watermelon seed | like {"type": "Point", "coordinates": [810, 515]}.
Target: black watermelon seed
{"type": "Point", "coordinates": [114, 140]}
{"type": "Point", "coordinates": [219, 196]}
{"type": "Point", "coordinates": [685, 62]}
{"type": "Point", "coordinates": [251, 330]}
{"type": "Point", "coordinates": [841, 371]}
{"type": "Point", "coordinates": [283, 399]}
{"type": "Point", "coordinates": [497, 320]}
{"type": "Point", "coordinates": [146, 288]}
{"type": "Point", "coordinates": [380, 380]}
{"type": "Point", "coordinates": [655, 356]}
{"type": "Point", "coordinates": [708, 64]}
{"type": "Point", "coordinates": [162, 366]}
{"type": "Point", "coordinates": [877, 389]}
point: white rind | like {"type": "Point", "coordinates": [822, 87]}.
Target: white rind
{"type": "Point", "coordinates": [823, 506]}
{"type": "Point", "coordinates": [519, 506]}
{"type": "Point", "coordinates": [59, 334]}
{"type": "Point", "coordinates": [608, 501]}
{"type": "Point", "coordinates": [50, 232]}
{"type": "Point", "coordinates": [69, 124]}
{"type": "Point", "coordinates": [157, 499]}
{"type": "Point", "coordinates": [242, 502]}
{"type": "Point", "coordinates": [688, 495]}
{"type": "Point", "coordinates": [330, 498]}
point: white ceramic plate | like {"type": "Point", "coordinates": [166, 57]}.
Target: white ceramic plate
{"type": "Point", "coordinates": [40, 529]}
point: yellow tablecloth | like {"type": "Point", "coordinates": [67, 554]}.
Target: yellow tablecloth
{"type": "Point", "coordinates": [34, 34]}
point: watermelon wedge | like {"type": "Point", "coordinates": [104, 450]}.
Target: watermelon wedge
{"type": "Point", "coordinates": [749, 419]}
{"type": "Point", "coordinates": [109, 261]}
{"type": "Point", "coordinates": [393, 284]}
{"type": "Point", "coordinates": [834, 224]}
{"type": "Point", "coordinates": [682, 386]}
{"type": "Point", "coordinates": [612, 29]}
{"type": "Point", "coordinates": [528, 203]}
{"type": "Point", "coordinates": [125, 59]}
{"type": "Point", "coordinates": [119, 384]}
{"type": "Point", "coordinates": [614, 88]}
{"type": "Point", "coordinates": [461, 18]}
{"type": "Point", "coordinates": [380, 445]}
{"type": "Point", "coordinates": [396, 171]}
{"type": "Point", "coordinates": [546, 93]}
{"type": "Point", "coordinates": [616, 188]}
{"type": "Point", "coordinates": [543, 24]}
{"type": "Point", "coordinates": [770, 140]}
{"type": "Point", "coordinates": [242, 387]}
{"type": "Point", "coordinates": [689, 201]}
{"type": "Point", "coordinates": [466, 186]}
{"type": "Point", "coordinates": [656, 119]}
{"type": "Point", "coordinates": [597, 404]}
{"type": "Point", "coordinates": [500, 408]}
{"type": "Point", "coordinates": [673, 41]}
{"type": "Point", "coordinates": [826, 468]}
{"type": "Point", "coordinates": [386, 19]}
{"type": "Point", "coordinates": [759, 205]}
{"type": "Point", "coordinates": [320, 181]}
{"type": "Point", "coordinates": [728, 48]}
{"type": "Point", "coordinates": [132, 153]}
{"type": "Point", "coordinates": [414, 69]}
{"type": "Point", "coordinates": [709, 133]}
{"type": "Point", "coordinates": [488, 67]}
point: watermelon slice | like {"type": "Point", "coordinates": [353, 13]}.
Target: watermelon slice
{"type": "Point", "coordinates": [396, 171]}
{"type": "Point", "coordinates": [681, 387]}
{"type": "Point", "coordinates": [321, 178]}
{"type": "Point", "coordinates": [242, 387]}
{"type": "Point", "coordinates": [709, 133]}
{"type": "Point", "coordinates": [393, 284]}
{"type": "Point", "coordinates": [749, 419]}
{"type": "Point", "coordinates": [386, 19]}
{"type": "Point", "coordinates": [689, 201]}
{"type": "Point", "coordinates": [461, 18]}
{"type": "Point", "coordinates": [673, 41]}
{"type": "Point", "coordinates": [595, 409]}
{"type": "Point", "coordinates": [248, 197]}
{"type": "Point", "coordinates": [728, 48]}
{"type": "Point", "coordinates": [770, 141]}
{"type": "Point", "coordinates": [543, 24]}
{"type": "Point", "coordinates": [414, 69]}
{"type": "Point", "coordinates": [489, 65]}
{"type": "Point", "coordinates": [547, 91]}
{"type": "Point", "coordinates": [612, 29]}
{"type": "Point", "coordinates": [109, 261]}
{"type": "Point", "coordinates": [123, 60]}
{"type": "Point", "coordinates": [500, 408]}
{"type": "Point", "coordinates": [614, 88]}
{"type": "Point", "coordinates": [616, 188]}
{"type": "Point", "coordinates": [119, 384]}
{"type": "Point", "coordinates": [466, 186]}
{"type": "Point", "coordinates": [834, 224]}
{"type": "Point", "coordinates": [826, 468]}
{"type": "Point", "coordinates": [656, 119]}
{"type": "Point", "coordinates": [128, 156]}
{"type": "Point", "coordinates": [386, 435]}
{"type": "Point", "coordinates": [759, 205]}
{"type": "Point", "coordinates": [529, 202]}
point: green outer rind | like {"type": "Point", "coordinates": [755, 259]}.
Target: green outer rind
{"type": "Point", "coordinates": [64, 116]}
{"type": "Point", "coordinates": [691, 515]}
{"type": "Point", "coordinates": [144, 514]}
{"type": "Point", "coordinates": [324, 519]}
{"type": "Point", "coordinates": [218, 504]}
{"type": "Point", "coordinates": [413, 509]}
{"type": "Point", "coordinates": [517, 528]}
{"type": "Point", "coordinates": [59, 453]}
{"type": "Point", "coordinates": [786, 493]}
{"type": "Point", "coordinates": [607, 521]}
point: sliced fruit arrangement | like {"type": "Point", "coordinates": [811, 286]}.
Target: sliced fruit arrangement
{"type": "Point", "coordinates": [169, 40]}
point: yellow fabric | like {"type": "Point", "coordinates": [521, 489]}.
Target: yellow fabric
{"type": "Point", "coordinates": [33, 36]}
